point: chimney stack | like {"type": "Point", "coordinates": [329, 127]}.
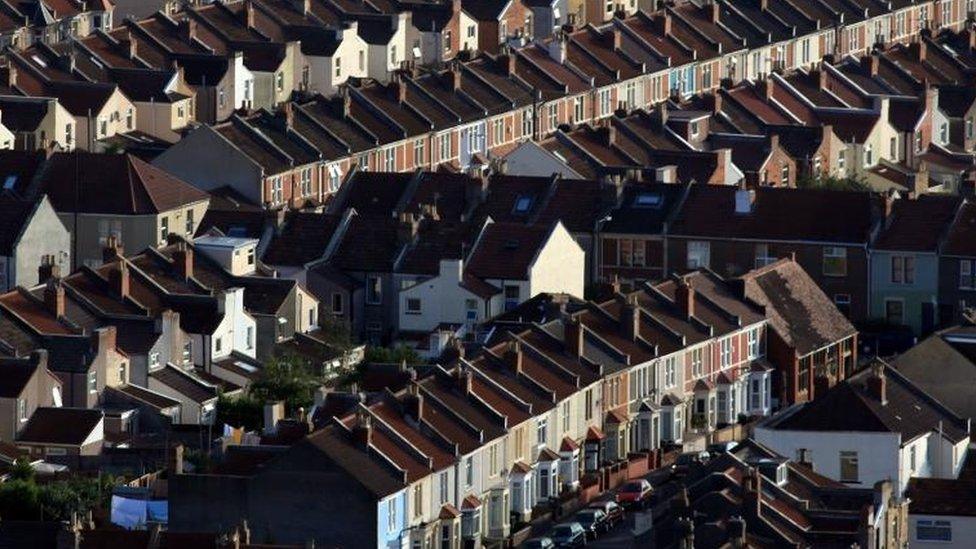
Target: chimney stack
{"type": "Point", "coordinates": [684, 297]}
{"type": "Point", "coordinates": [663, 24]}
{"type": "Point", "coordinates": [183, 260]}
{"type": "Point", "coordinates": [407, 227]}
{"type": "Point", "coordinates": [575, 336]}
{"type": "Point", "coordinates": [513, 356]}
{"type": "Point", "coordinates": [249, 14]}
{"type": "Point", "coordinates": [54, 297]}
{"type": "Point", "coordinates": [877, 383]}
{"type": "Point", "coordinates": [870, 64]}
{"type": "Point", "coordinates": [119, 279]}
{"type": "Point", "coordinates": [752, 493]}
{"type": "Point", "coordinates": [48, 269]}
{"type": "Point", "coordinates": [630, 318]}
{"type": "Point", "coordinates": [715, 11]}
{"type": "Point", "coordinates": [363, 431]}
{"type": "Point", "coordinates": [113, 249]}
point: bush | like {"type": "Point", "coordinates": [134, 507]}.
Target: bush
{"type": "Point", "coordinates": [396, 355]}
{"type": "Point", "coordinates": [244, 410]}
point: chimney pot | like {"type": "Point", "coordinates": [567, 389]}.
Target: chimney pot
{"type": "Point", "coordinates": [684, 297]}
{"type": "Point", "coordinates": [877, 384]}
{"type": "Point", "coordinates": [54, 297]}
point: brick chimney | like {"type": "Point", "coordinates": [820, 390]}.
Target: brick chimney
{"type": "Point", "coordinates": [188, 29]}
{"type": "Point", "coordinates": [630, 318]}
{"type": "Point", "coordinates": [918, 50]}
{"type": "Point", "coordinates": [363, 431]}
{"type": "Point", "coordinates": [513, 356]}
{"type": "Point", "coordinates": [575, 336]}
{"type": "Point", "coordinates": [113, 249]}
{"type": "Point", "coordinates": [249, 14]}
{"type": "Point", "coordinates": [714, 11]}
{"type": "Point", "coordinates": [288, 113]}
{"type": "Point", "coordinates": [183, 260]}
{"type": "Point", "coordinates": [48, 269]}
{"type": "Point", "coordinates": [752, 493]}
{"type": "Point", "coordinates": [54, 297]}
{"type": "Point", "coordinates": [877, 384]}
{"type": "Point", "coordinates": [407, 227]}
{"type": "Point", "coordinates": [663, 24]}
{"type": "Point", "coordinates": [684, 297]}
{"type": "Point", "coordinates": [401, 89]}
{"type": "Point", "coordinates": [118, 279]}
{"type": "Point", "coordinates": [456, 78]}
{"type": "Point", "coordinates": [870, 64]}
{"type": "Point", "coordinates": [464, 380]}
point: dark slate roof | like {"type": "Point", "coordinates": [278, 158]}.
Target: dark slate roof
{"type": "Point", "coordinates": [15, 373]}
{"type": "Point", "coordinates": [23, 114]}
{"type": "Point", "coordinates": [369, 244]}
{"type": "Point", "coordinates": [918, 225]}
{"type": "Point", "coordinates": [944, 367]}
{"type": "Point", "coordinates": [303, 238]}
{"type": "Point", "coordinates": [506, 251]}
{"type": "Point", "coordinates": [803, 316]}
{"type": "Point", "coordinates": [151, 398]}
{"type": "Point", "coordinates": [485, 10]}
{"type": "Point", "coordinates": [14, 216]}
{"type": "Point", "coordinates": [778, 214]}
{"type": "Point", "coordinates": [942, 496]}
{"type": "Point", "coordinates": [644, 209]}
{"type": "Point", "coordinates": [68, 426]}
{"type": "Point", "coordinates": [112, 184]}
{"type": "Point", "coordinates": [22, 166]}
{"type": "Point", "coordinates": [145, 85]}
{"type": "Point", "coordinates": [233, 215]}
{"type": "Point", "coordinates": [961, 238]}
{"type": "Point", "coordinates": [849, 406]}
{"type": "Point", "coordinates": [82, 98]}
{"type": "Point", "coordinates": [185, 384]}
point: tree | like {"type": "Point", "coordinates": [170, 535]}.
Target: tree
{"type": "Point", "coordinates": [244, 410]}
{"type": "Point", "coordinates": [850, 183]}
{"type": "Point", "coordinates": [289, 379]}
{"type": "Point", "coordinates": [22, 469]}
{"type": "Point", "coordinates": [396, 355]}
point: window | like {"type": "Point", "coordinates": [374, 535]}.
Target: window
{"type": "Point", "coordinates": [588, 404]}
{"type": "Point", "coordinates": [868, 155]}
{"type": "Point", "coordinates": [725, 352]}
{"type": "Point", "coordinates": [249, 337]}
{"type": "Point", "coordinates": [946, 13]}
{"type": "Point", "coordinates": [163, 229]}
{"type": "Point", "coordinates": [305, 181]}
{"type": "Point", "coordinates": [902, 269]}
{"type": "Point", "coordinates": [944, 133]}
{"type": "Point", "coordinates": [447, 41]}
{"type": "Point", "coordinates": [552, 116]}
{"type": "Point", "coordinates": [444, 490]}
{"type": "Point", "coordinates": [418, 500]}
{"type": "Point", "coordinates": [895, 311]}
{"type": "Point", "coordinates": [967, 274]}
{"type": "Point", "coordinates": [565, 414]}
{"type": "Point", "coordinates": [578, 113]}
{"type": "Point", "coordinates": [250, 256]}
{"type": "Point", "coordinates": [762, 255]}
{"type": "Point", "coordinates": [911, 458]}
{"type": "Point", "coordinates": [393, 55]}
{"type": "Point", "coordinates": [374, 290]}
{"type": "Point", "coordinates": [752, 339]}
{"type": "Point", "coordinates": [471, 310]}
{"type": "Point", "coordinates": [130, 117]}
{"type": "Point", "coordinates": [848, 467]}
{"type": "Point", "coordinates": [707, 76]}
{"type": "Point", "coordinates": [527, 123]}
{"type": "Point", "coordinates": [391, 514]}
{"type": "Point", "coordinates": [277, 193]}
{"type": "Point", "coordinates": [153, 360]}
{"type": "Point", "coordinates": [605, 103]}
{"type": "Point", "coordinates": [187, 351]}
{"type": "Point", "coordinates": [413, 306]}
{"type": "Point", "coordinates": [389, 161]}
{"type": "Point", "coordinates": [68, 134]}
{"type": "Point", "coordinates": [498, 131]}
{"type": "Point", "coordinates": [470, 31]}
{"type": "Point", "coordinates": [92, 382]}
{"type": "Point", "coordinates": [511, 297]}
{"type": "Point", "coordinates": [893, 149]}
{"type": "Point", "coordinates": [444, 146]}
{"type": "Point", "coordinates": [543, 431]}
{"type": "Point", "coordinates": [280, 81]}
{"type": "Point", "coordinates": [834, 261]}
{"type": "Point", "coordinates": [698, 254]}
{"type": "Point", "coordinates": [102, 127]}
{"type": "Point", "coordinates": [337, 308]}
{"type": "Point", "coordinates": [190, 225]}
{"type": "Point", "coordinates": [933, 530]}
{"type": "Point", "coordinates": [493, 459]}
{"type": "Point", "coordinates": [218, 344]}
{"type": "Point", "coordinates": [841, 160]}
{"type": "Point", "coordinates": [21, 410]}
{"type": "Point", "coordinates": [630, 92]}
{"type": "Point", "coordinates": [697, 362]}
{"type": "Point", "coordinates": [843, 303]}
{"type": "Point", "coordinates": [469, 471]}
{"type": "Point", "coordinates": [670, 372]}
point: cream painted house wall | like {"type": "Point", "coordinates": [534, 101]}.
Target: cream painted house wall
{"type": "Point", "coordinates": [559, 267]}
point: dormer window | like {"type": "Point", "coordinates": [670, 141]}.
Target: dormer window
{"type": "Point", "coordinates": [693, 128]}
{"type": "Point", "coordinates": [522, 204]}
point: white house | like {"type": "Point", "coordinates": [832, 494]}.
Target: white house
{"type": "Point", "coordinates": [877, 425]}
{"type": "Point", "coordinates": [508, 264]}
{"type": "Point", "coordinates": [942, 512]}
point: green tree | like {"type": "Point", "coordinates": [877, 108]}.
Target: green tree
{"type": "Point", "coordinates": [397, 354]}
{"type": "Point", "coordinates": [244, 410]}
{"type": "Point", "coordinates": [286, 378]}
{"type": "Point", "coordinates": [20, 500]}
{"type": "Point", "coordinates": [850, 183]}
{"type": "Point", "coordinates": [22, 469]}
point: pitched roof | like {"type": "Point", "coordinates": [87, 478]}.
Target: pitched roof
{"type": "Point", "coordinates": [944, 365]}
{"type": "Point", "coordinates": [14, 215]}
{"type": "Point", "coordinates": [918, 225]}
{"type": "Point", "coordinates": [67, 426]}
{"type": "Point", "coordinates": [15, 373]}
{"type": "Point", "coordinates": [851, 406]}
{"type": "Point", "coordinates": [506, 250]}
{"type": "Point", "coordinates": [942, 496]}
{"type": "Point", "coordinates": [802, 315]}
{"type": "Point", "coordinates": [961, 237]}
{"type": "Point", "coordinates": [303, 238]}
{"type": "Point", "coordinates": [112, 184]}
{"type": "Point", "coordinates": [778, 214]}
{"type": "Point", "coordinates": [184, 384]}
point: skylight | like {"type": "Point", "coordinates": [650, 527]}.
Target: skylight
{"type": "Point", "coordinates": [647, 199]}
{"type": "Point", "coordinates": [523, 203]}
{"type": "Point", "coordinates": [9, 183]}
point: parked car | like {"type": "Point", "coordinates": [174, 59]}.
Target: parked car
{"type": "Point", "coordinates": [614, 512]}
{"type": "Point", "coordinates": [539, 543]}
{"type": "Point", "coordinates": [720, 448]}
{"type": "Point", "coordinates": [594, 521]}
{"type": "Point", "coordinates": [687, 461]}
{"type": "Point", "coordinates": [568, 534]}
{"type": "Point", "coordinates": [636, 493]}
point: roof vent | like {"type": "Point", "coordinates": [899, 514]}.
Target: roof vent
{"type": "Point", "coordinates": [745, 199]}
